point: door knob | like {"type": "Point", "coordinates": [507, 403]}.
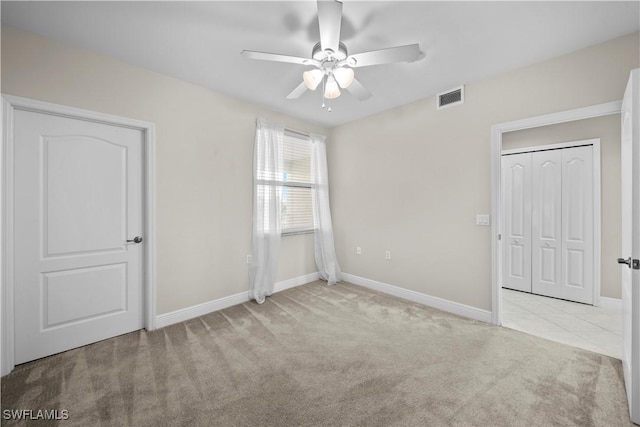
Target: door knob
{"type": "Point", "coordinates": [625, 261]}
{"type": "Point", "coordinates": [134, 241]}
{"type": "Point", "coordinates": [632, 263]}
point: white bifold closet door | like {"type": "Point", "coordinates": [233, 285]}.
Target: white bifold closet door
{"type": "Point", "coordinates": [549, 223]}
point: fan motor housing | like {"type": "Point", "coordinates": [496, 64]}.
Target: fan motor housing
{"type": "Point", "coordinates": [321, 55]}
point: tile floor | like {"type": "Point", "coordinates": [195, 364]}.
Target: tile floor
{"type": "Point", "coordinates": [598, 329]}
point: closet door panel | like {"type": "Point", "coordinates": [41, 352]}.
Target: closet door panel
{"type": "Point", "coordinates": [546, 236]}
{"type": "Point", "coordinates": [577, 223]}
{"type": "Point", "coordinates": [516, 170]}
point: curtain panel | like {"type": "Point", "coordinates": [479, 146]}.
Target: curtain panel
{"type": "Point", "coordinates": [325, 253]}
{"type": "Point", "coordinates": [267, 188]}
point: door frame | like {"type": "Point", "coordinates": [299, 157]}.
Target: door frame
{"type": "Point", "coordinates": [9, 105]}
{"type": "Point", "coordinates": [597, 206]}
{"type": "Point", "coordinates": [496, 202]}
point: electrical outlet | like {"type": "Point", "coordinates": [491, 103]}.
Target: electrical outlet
{"type": "Point", "coordinates": [358, 250]}
{"type": "Point", "coordinates": [248, 259]}
{"type": "Point", "coordinates": [387, 255]}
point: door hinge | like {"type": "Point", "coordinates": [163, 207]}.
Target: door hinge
{"type": "Point", "coordinates": [636, 264]}
{"type": "Point", "coordinates": [499, 236]}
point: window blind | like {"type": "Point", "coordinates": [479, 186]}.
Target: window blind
{"type": "Point", "coordinates": [297, 213]}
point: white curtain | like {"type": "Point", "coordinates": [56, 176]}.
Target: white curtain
{"type": "Point", "coordinates": [267, 177]}
{"type": "Point", "coordinates": [325, 251]}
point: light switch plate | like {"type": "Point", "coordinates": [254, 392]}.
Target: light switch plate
{"type": "Point", "coordinates": [482, 219]}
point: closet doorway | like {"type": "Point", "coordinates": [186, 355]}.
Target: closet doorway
{"type": "Point", "coordinates": [551, 211]}
{"type": "Point", "coordinates": [596, 327]}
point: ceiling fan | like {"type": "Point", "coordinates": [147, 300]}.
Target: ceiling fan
{"type": "Point", "coordinates": [332, 65]}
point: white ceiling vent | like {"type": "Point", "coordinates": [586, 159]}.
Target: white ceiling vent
{"type": "Point", "coordinates": [451, 97]}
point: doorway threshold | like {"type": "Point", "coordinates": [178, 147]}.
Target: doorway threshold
{"type": "Point", "coordinates": [597, 329]}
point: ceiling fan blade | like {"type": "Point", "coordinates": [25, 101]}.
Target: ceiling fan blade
{"type": "Point", "coordinates": [266, 56]}
{"type": "Point", "coordinates": [359, 91]}
{"type": "Point", "coordinates": [298, 91]}
{"type": "Point", "coordinates": [329, 22]}
{"type": "Point", "coordinates": [407, 53]}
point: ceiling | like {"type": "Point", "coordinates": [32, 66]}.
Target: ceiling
{"type": "Point", "coordinates": [200, 42]}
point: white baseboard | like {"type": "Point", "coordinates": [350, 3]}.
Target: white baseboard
{"type": "Point", "coordinates": [435, 302]}
{"type": "Point", "coordinates": [242, 297]}
{"type": "Point", "coordinates": [181, 315]}
{"type": "Point", "coordinates": [296, 281]}
{"type": "Point", "coordinates": [614, 303]}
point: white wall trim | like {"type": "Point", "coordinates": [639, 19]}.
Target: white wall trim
{"type": "Point", "coordinates": [6, 260]}
{"type": "Point", "coordinates": [597, 223]}
{"type": "Point", "coordinates": [296, 281]}
{"type": "Point", "coordinates": [9, 105]}
{"type": "Point", "coordinates": [557, 146]}
{"type": "Point", "coordinates": [189, 313]}
{"type": "Point", "coordinates": [194, 311]}
{"type": "Point", "coordinates": [496, 154]}
{"type": "Point", "coordinates": [150, 227]}
{"type": "Point", "coordinates": [561, 117]}
{"type": "Point", "coordinates": [420, 298]}
{"type": "Point", "coordinates": [611, 303]}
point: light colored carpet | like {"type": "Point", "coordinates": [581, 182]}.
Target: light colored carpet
{"type": "Point", "coordinates": [319, 355]}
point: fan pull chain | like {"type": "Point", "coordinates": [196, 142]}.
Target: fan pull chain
{"type": "Point", "coordinates": [326, 105]}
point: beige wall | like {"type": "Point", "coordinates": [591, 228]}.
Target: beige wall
{"type": "Point", "coordinates": [204, 157]}
{"type": "Point", "coordinates": [412, 179]}
{"type": "Point", "coordinates": [606, 128]}
{"type": "Point", "coordinates": [409, 180]}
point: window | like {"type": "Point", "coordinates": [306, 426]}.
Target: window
{"type": "Point", "coordinates": [296, 214]}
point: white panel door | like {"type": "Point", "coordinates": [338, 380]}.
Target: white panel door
{"type": "Point", "coordinates": [577, 225]}
{"type": "Point", "coordinates": [516, 173]}
{"type": "Point", "coordinates": [78, 198]}
{"type": "Point", "coordinates": [630, 195]}
{"type": "Point", "coordinates": [546, 222]}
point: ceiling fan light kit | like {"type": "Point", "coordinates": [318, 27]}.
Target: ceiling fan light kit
{"type": "Point", "coordinates": [344, 76]}
{"type": "Point", "coordinates": [331, 90]}
{"type": "Point", "coordinates": [333, 66]}
{"type": "Point", "coordinates": [312, 78]}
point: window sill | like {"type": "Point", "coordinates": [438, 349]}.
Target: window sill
{"type": "Point", "coordinates": [296, 232]}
